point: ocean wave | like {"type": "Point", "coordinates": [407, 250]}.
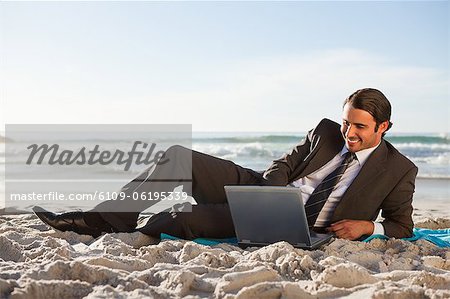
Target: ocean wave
{"type": "Point", "coordinates": [420, 139]}
{"type": "Point", "coordinates": [250, 139]}
{"type": "Point", "coordinates": [295, 138]}
{"type": "Point", "coordinates": [239, 137]}
{"type": "Point", "coordinates": [422, 146]}
{"type": "Point", "coordinates": [255, 149]}
{"type": "Point", "coordinates": [433, 176]}
{"type": "Point", "coordinates": [442, 159]}
{"type": "Point", "coordinates": [430, 153]}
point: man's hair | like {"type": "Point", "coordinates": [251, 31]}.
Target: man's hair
{"type": "Point", "coordinates": [373, 101]}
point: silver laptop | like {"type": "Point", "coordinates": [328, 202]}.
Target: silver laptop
{"type": "Point", "coordinates": [263, 215]}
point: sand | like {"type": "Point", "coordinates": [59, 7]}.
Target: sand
{"type": "Point", "coordinates": [38, 262]}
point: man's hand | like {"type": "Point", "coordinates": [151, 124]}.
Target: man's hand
{"type": "Point", "coordinates": [351, 229]}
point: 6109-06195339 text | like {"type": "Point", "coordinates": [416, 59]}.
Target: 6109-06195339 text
{"type": "Point", "coordinates": [59, 196]}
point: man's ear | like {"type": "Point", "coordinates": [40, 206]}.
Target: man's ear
{"type": "Point", "coordinates": [384, 126]}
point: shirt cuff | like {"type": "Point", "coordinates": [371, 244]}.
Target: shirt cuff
{"type": "Point", "coordinates": [378, 228]}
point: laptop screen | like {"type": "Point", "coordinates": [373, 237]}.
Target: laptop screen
{"type": "Point", "coordinates": [268, 214]}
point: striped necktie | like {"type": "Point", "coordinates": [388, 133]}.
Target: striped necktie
{"type": "Point", "coordinates": [320, 195]}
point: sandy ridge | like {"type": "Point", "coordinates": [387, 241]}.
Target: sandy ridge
{"type": "Point", "coordinates": [36, 262]}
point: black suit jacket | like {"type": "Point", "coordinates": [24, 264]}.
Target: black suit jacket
{"type": "Point", "coordinates": [386, 181]}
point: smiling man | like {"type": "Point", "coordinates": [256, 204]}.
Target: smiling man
{"type": "Point", "coordinates": [364, 123]}
{"type": "Point", "coordinates": [347, 173]}
{"type": "Point", "coordinates": [377, 177]}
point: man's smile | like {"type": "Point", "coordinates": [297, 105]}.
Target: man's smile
{"type": "Point", "coordinates": [353, 141]}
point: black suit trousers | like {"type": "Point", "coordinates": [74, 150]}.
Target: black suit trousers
{"type": "Point", "coordinates": [209, 218]}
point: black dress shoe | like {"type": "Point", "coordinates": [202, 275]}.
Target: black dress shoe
{"type": "Point", "coordinates": [72, 221]}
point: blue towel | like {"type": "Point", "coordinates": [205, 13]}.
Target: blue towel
{"type": "Point", "coordinates": [439, 237]}
{"type": "Point", "coordinates": [202, 241]}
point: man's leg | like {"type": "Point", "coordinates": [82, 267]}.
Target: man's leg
{"type": "Point", "coordinates": [204, 181]}
{"type": "Point", "coordinates": [205, 221]}
{"type": "Point", "coordinates": [209, 174]}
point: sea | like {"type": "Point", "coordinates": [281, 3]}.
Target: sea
{"type": "Point", "coordinates": [256, 150]}
{"type": "Point", "coordinates": [430, 152]}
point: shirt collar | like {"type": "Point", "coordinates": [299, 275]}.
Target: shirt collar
{"type": "Point", "coordinates": [362, 155]}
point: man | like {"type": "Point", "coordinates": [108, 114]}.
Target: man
{"type": "Point", "coordinates": [347, 174]}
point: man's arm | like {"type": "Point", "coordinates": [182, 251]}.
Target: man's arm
{"type": "Point", "coordinates": [397, 207]}
{"type": "Point", "coordinates": [351, 229]}
{"type": "Point", "coordinates": [280, 170]}
{"type": "Point", "coordinates": [290, 166]}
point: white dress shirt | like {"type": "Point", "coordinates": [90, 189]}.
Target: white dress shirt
{"type": "Point", "coordinates": [308, 183]}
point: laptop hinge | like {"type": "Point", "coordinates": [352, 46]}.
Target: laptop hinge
{"type": "Point", "coordinates": [245, 241]}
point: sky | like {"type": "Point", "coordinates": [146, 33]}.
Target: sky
{"type": "Point", "coordinates": [222, 66]}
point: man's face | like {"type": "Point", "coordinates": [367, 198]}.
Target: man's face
{"type": "Point", "coordinates": [358, 129]}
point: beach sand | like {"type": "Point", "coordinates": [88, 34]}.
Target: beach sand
{"type": "Point", "coordinates": [38, 262]}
